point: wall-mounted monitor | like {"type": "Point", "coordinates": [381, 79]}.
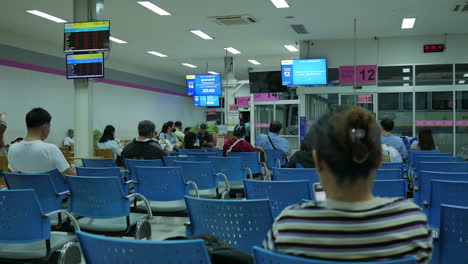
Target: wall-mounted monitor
{"type": "Point", "coordinates": [203, 84]}
{"type": "Point", "coordinates": [196, 101]}
{"type": "Point", "coordinates": [87, 36]}
{"type": "Point", "coordinates": [304, 72]}
{"type": "Point", "coordinates": [85, 66]}
{"type": "Point", "coordinates": [266, 82]}
{"type": "Point", "coordinates": [209, 100]}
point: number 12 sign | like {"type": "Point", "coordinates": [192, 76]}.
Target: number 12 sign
{"type": "Point", "coordinates": [365, 74]}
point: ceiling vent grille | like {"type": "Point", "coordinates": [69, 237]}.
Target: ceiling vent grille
{"type": "Point", "coordinates": [300, 29]}
{"type": "Point", "coordinates": [234, 20]}
{"type": "Point", "coordinates": [460, 7]}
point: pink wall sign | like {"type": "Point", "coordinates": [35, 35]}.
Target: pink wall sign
{"type": "Point", "coordinates": [233, 107]}
{"type": "Point", "coordinates": [243, 101]}
{"type": "Point", "coordinates": [265, 97]}
{"type": "Point", "coordinates": [309, 122]}
{"type": "Point", "coordinates": [441, 123]}
{"type": "Point", "coordinates": [365, 98]}
{"type": "Point", "coordinates": [365, 74]}
{"type": "Point", "coordinates": [212, 111]}
{"type": "Point", "coordinates": [462, 123]}
{"type": "Point", "coordinates": [262, 125]}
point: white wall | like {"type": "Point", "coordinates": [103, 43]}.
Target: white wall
{"type": "Point", "coordinates": [123, 107]}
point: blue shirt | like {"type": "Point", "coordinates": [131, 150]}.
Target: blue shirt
{"type": "Point", "coordinates": [279, 142]}
{"type": "Point", "coordinates": [397, 143]}
{"type": "Point", "coordinates": [172, 139]}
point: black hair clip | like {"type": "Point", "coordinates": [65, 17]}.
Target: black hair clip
{"type": "Point", "coordinates": [357, 134]}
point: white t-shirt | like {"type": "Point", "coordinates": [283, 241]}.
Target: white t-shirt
{"type": "Point", "coordinates": [68, 141]}
{"type": "Point", "coordinates": [36, 157]}
{"type": "Point", "coordinates": [111, 144]}
{"type": "Point", "coordinates": [392, 152]}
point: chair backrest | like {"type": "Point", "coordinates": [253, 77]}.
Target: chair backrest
{"type": "Point", "coordinates": [392, 165]}
{"type": "Point", "coordinates": [21, 217]}
{"type": "Point", "coordinates": [453, 234]}
{"type": "Point", "coordinates": [297, 174]}
{"type": "Point", "coordinates": [433, 158]}
{"type": "Point", "coordinates": [389, 174]}
{"type": "Point", "coordinates": [200, 172]}
{"type": "Point", "coordinates": [160, 183]}
{"type": "Point", "coordinates": [444, 166]}
{"type": "Point", "coordinates": [230, 166]}
{"type": "Point", "coordinates": [98, 172]}
{"type": "Point", "coordinates": [169, 160]}
{"type": "Point", "coordinates": [97, 197]}
{"type": "Point", "coordinates": [41, 184]}
{"type": "Point", "coordinates": [415, 152]}
{"type": "Point", "coordinates": [280, 193]}
{"type": "Point", "coordinates": [263, 256]}
{"type": "Point", "coordinates": [242, 223]}
{"type": "Point", "coordinates": [390, 188]}
{"type": "Point", "coordinates": [104, 153]}
{"type": "Point", "coordinates": [423, 192]}
{"type": "Point", "coordinates": [446, 192]}
{"type": "Point", "coordinates": [249, 160]}
{"type": "Point", "coordinates": [99, 163]}
{"type": "Point", "coordinates": [273, 157]}
{"type": "Point", "coordinates": [132, 163]}
{"type": "Point", "coordinates": [106, 250]}
{"type": "Point", "coordinates": [201, 156]}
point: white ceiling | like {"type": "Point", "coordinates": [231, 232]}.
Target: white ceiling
{"type": "Point", "coordinates": [263, 41]}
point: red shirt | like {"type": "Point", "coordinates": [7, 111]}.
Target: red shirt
{"type": "Point", "coordinates": [242, 146]}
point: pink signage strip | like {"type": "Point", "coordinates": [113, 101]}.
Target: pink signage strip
{"type": "Point", "coordinates": [212, 111]}
{"type": "Point", "coordinates": [243, 100]}
{"type": "Point", "coordinates": [233, 107]}
{"type": "Point", "coordinates": [262, 125]}
{"type": "Point", "coordinates": [265, 97]}
{"type": "Point", "coordinates": [441, 123]}
{"type": "Point", "coordinates": [461, 123]}
{"type": "Point", "coordinates": [365, 98]}
{"type": "Point", "coordinates": [309, 122]}
{"type": "Point", "coordinates": [37, 68]}
{"type": "Point", "coordinates": [364, 74]}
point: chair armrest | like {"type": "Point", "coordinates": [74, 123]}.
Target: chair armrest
{"type": "Point", "coordinates": [434, 233]}
{"type": "Point", "coordinates": [416, 189]}
{"type": "Point", "coordinates": [250, 173]}
{"type": "Point", "coordinates": [64, 193]}
{"type": "Point", "coordinates": [143, 198]}
{"type": "Point", "coordinates": [131, 181]}
{"type": "Point", "coordinates": [72, 218]}
{"type": "Point", "coordinates": [426, 204]}
{"type": "Point", "coordinates": [194, 186]}
{"type": "Point", "coordinates": [228, 186]}
{"type": "Point", "coordinates": [278, 162]}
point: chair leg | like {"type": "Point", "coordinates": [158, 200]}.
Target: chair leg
{"type": "Point", "coordinates": [69, 254]}
{"type": "Point", "coordinates": [143, 229]}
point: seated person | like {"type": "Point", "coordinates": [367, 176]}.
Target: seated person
{"type": "Point", "coordinates": [69, 141]}
{"type": "Point", "coordinates": [107, 141]}
{"type": "Point", "coordinates": [168, 133]}
{"type": "Point", "coordinates": [205, 138]}
{"type": "Point", "coordinates": [303, 157]}
{"type": "Point", "coordinates": [187, 130]}
{"type": "Point", "coordinates": [180, 135]}
{"type": "Point", "coordinates": [144, 147]}
{"type": "Point", "coordinates": [190, 141]}
{"type": "Point", "coordinates": [3, 127]}
{"type": "Point", "coordinates": [273, 141]}
{"type": "Point", "coordinates": [33, 155]}
{"type": "Point", "coordinates": [238, 142]}
{"type": "Point", "coordinates": [425, 140]}
{"type": "Point", "coordinates": [390, 140]}
{"type": "Point", "coordinates": [351, 224]}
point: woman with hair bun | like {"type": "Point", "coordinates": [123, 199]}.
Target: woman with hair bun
{"type": "Point", "coordinates": [238, 142]}
{"type": "Point", "coordinates": [351, 224]}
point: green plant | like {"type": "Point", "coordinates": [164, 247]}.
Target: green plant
{"type": "Point", "coordinates": [97, 134]}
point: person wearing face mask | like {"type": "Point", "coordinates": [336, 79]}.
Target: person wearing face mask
{"type": "Point", "coordinates": [69, 141]}
{"type": "Point", "coordinates": [33, 155]}
{"type": "Point", "coordinates": [168, 133]}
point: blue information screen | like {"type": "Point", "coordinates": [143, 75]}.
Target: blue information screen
{"type": "Point", "coordinates": [209, 100]}
{"type": "Point", "coordinates": [203, 84]}
{"type": "Point", "coordinates": [196, 101]}
{"type": "Point", "coordinates": [304, 72]}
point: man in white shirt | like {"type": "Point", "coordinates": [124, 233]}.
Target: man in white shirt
{"type": "Point", "coordinates": [69, 141]}
{"type": "Point", "coordinates": [179, 134]}
{"type": "Point", "coordinates": [33, 155]}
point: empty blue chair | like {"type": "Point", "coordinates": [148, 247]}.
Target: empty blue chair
{"type": "Point", "coordinates": [392, 166]}
{"type": "Point", "coordinates": [263, 256]}
{"type": "Point", "coordinates": [280, 193]}
{"type": "Point", "coordinates": [232, 168]}
{"type": "Point", "coordinates": [445, 192]}
{"type": "Point", "coordinates": [250, 160]}
{"type": "Point", "coordinates": [25, 231]}
{"type": "Point", "coordinates": [433, 158]}
{"type": "Point", "coordinates": [100, 163]}
{"type": "Point", "coordinates": [453, 234]}
{"type": "Point", "coordinates": [422, 193]}
{"type": "Point", "coordinates": [169, 160]}
{"type": "Point", "coordinates": [101, 250]}
{"type": "Point", "coordinates": [105, 207]}
{"type": "Point", "coordinates": [132, 163]}
{"type": "Point", "coordinates": [201, 156]}
{"type": "Point", "coordinates": [389, 174]}
{"type": "Point", "coordinates": [203, 174]}
{"type": "Point", "coordinates": [390, 188]}
{"type": "Point", "coordinates": [164, 187]}
{"type": "Point", "coordinates": [296, 174]}
{"type": "Point", "coordinates": [415, 152]}
{"type": "Point", "coordinates": [99, 172]}
{"type": "Point", "coordinates": [444, 166]}
{"type": "Point", "coordinates": [275, 158]}
{"type": "Point", "coordinates": [241, 223]}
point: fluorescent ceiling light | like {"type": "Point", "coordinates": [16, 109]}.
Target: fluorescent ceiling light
{"type": "Point", "coordinates": [406, 70]}
{"type": "Point", "coordinates": [408, 23]}
{"type": "Point", "coordinates": [116, 40]}
{"type": "Point", "coordinates": [280, 3]}
{"type": "Point", "coordinates": [155, 53]}
{"type": "Point", "coordinates": [189, 65]}
{"type": "Point", "coordinates": [154, 8]}
{"type": "Point", "coordinates": [465, 75]}
{"type": "Point", "coordinates": [213, 72]}
{"type": "Point", "coordinates": [461, 82]}
{"type": "Point", "coordinates": [254, 62]}
{"type": "Point", "coordinates": [406, 78]}
{"type": "Point", "coordinates": [201, 34]}
{"type": "Point", "coordinates": [46, 16]}
{"type": "Point", "coordinates": [291, 48]}
{"type": "Point", "coordinates": [232, 50]}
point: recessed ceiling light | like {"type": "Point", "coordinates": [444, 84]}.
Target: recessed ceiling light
{"type": "Point", "coordinates": [461, 82]}
{"type": "Point", "coordinates": [155, 53]}
{"type": "Point", "coordinates": [254, 62]}
{"type": "Point", "coordinates": [213, 72]}
{"type": "Point", "coordinates": [46, 16]}
{"type": "Point", "coordinates": [406, 78]}
{"type": "Point", "coordinates": [232, 50]}
{"type": "Point", "coordinates": [201, 34]}
{"type": "Point", "coordinates": [408, 23]}
{"type": "Point", "coordinates": [154, 8]}
{"type": "Point", "coordinates": [291, 48]}
{"type": "Point", "coordinates": [189, 65]}
{"type": "Point", "coordinates": [116, 40]}
{"type": "Point", "coordinates": [280, 3]}
{"type": "Point", "coordinates": [465, 75]}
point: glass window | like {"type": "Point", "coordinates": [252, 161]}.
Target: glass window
{"type": "Point", "coordinates": [440, 74]}
{"type": "Point", "coordinates": [395, 76]}
{"type": "Point", "coordinates": [464, 100]}
{"type": "Point", "coordinates": [442, 101]}
{"type": "Point", "coordinates": [389, 101]}
{"type": "Point", "coordinates": [333, 77]}
{"type": "Point", "coordinates": [421, 101]}
{"type": "Point", "coordinates": [461, 74]}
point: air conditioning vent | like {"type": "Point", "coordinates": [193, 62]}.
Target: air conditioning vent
{"type": "Point", "coordinates": [234, 20]}
{"type": "Point", "coordinates": [300, 29]}
{"type": "Point", "coordinates": [460, 6]}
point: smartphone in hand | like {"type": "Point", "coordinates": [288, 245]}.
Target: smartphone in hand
{"type": "Point", "coordinates": [319, 193]}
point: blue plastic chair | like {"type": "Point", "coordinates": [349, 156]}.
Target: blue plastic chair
{"type": "Point", "coordinates": [444, 166]}
{"type": "Point", "coordinates": [453, 234]}
{"type": "Point", "coordinates": [390, 188]}
{"type": "Point", "coordinates": [392, 166]}
{"type": "Point", "coordinates": [169, 160]}
{"type": "Point", "coordinates": [445, 192]}
{"type": "Point", "coordinates": [296, 174]}
{"type": "Point", "coordinates": [99, 163]}
{"type": "Point", "coordinates": [275, 158]}
{"type": "Point", "coordinates": [415, 152]}
{"type": "Point", "coordinates": [422, 193]}
{"type": "Point", "coordinates": [26, 235]}
{"type": "Point", "coordinates": [389, 174]}
{"type": "Point", "coordinates": [164, 187]}
{"type": "Point", "coordinates": [263, 256]}
{"type": "Point", "coordinates": [433, 158]}
{"type": "Point", "coordinates": [232, 168]}
{"type": "Point", "coordinates": [132, 163]}
{"type": "Point", "coordinates": [202, 173]}
{"type": "Point", "coordinates": [280, 193]}
{"type": "Point", "coordinates": [99, 172]}
{"type": "Point", "coordinates": [201, 156]}
{"type": "Point", "coordinates": [105, 207]}
{"type": "Point", "coordinates": [241, 223]}
{"type": "Point", "coordinates": [250, 160]}
{"type": "Point", "coordinates": [101, 250]}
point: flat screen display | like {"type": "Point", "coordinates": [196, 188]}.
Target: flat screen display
{"type": "Point", "coordinates": [87, 36]}
{"type": "Point", "coordinates": [203, 84]}
{"type": "Point", "coordinates": [209, 100]}
{"type": "Point", "coordinates": [85, 66]}
{"type": "Point", "coordinates": [196, 101]}
{"type": "Point", "coordinates": [304, 72]}
{"type": "Point", "coordinates": [266, 82]}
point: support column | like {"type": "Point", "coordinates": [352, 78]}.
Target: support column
{"type": "Point", "coordinates": [229, 80]}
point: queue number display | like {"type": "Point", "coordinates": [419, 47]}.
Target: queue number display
{"type": "Point", "coordinates": [203, 84]}
{"type": "Point", "coordinates": [87, 36]}
{"type": "Point", "coordinates": [209, 100]}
